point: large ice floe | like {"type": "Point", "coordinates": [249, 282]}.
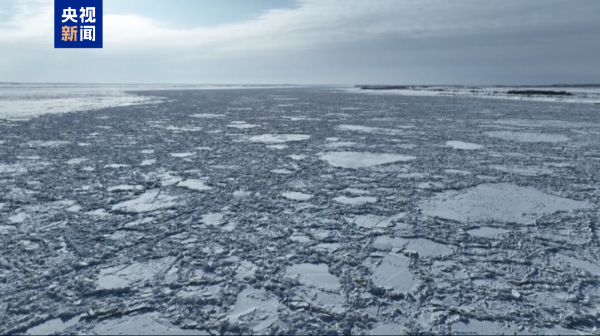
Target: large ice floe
{"type": "Point", "coordinates": [362, 160]}
{"type": "Point", "coordinates": [500, 202]}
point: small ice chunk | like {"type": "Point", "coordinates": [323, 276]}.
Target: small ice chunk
{"type": "Point", "coordinates": [457, 171]}
{"type": "Point", "coordinates": [424, 247]}
{"type": "Point", "coordinates": [126, 275]}
{"type": "Point", "coordinates": [300, 238]}
{"type": "Point", "coordinates": [207, 115]}
{"type": "Point", "coordinates": [371, 221]}
{"type": "Point", "coordinates": [116, 166]}
{"type": "Point", "coordinates": [340, 144]}
{"type": "Point", "coordinates": [98, 213]}
{"type": "Point", "coordinates": [277, 146]}
{"type": "Point", "coordinates": [279, 138]}
{"type": "Point", "coordinates": [362, 160]}
{"type": "Point", "coordinates": [314, 275]}
{"type": "Point", "coordinates": [125, 187]}
{"type": "Point", "coordinates": [527, 136]}
{"type": "Point", "coordinates": [388, 329]}
{"type": "Point", "coordinates": [281, 171]}
{"type": "Point", "coordinates": [144, 324]}
{"type": "Point", "coordinates": [255, 308]}
{"type": "Point", "coordinates": [298, 157]}
{"type": "Point", "coordinates": [463, 145]}
{"type": "Point", "coordinates": [52, 326]}
{"type": "Point", "coordinates": [593, 269]}
{"type": "Point", "coordinates": [355, 200]}
{"type": "Point", "coordinates": [18, 218]}
{"type": "Point", "coordinates": [393, 274]}
{"type": "Point", "coordinates": [181, 155]}
{"type": "Point", "coordinates": [148, 162]}
{"type": "Point", "coordinates": [213, 218]}
{"type": "Point", "coordinates": [151, 200]}
{"type": "Point", "coordinates": [481, 328]}
{"type": "Point", "coordinates": [76, 161]}
{"type": "Point", "coordinates": [193, 184]}
{"type": "Point", "coordinates": [356, 191]}
{"type": "Point", "coordinates": [487, 232]}
{"type": "Point", "coordinates": [366, 129]}
{"type": "Point", "coordinates": [74, 208]}
{"type": "Point", "coordinates": [241, 193]}
{"type": "Point", "coordinates": [296, 196]}
{"type": "Point", "coordinates": [242, 125]}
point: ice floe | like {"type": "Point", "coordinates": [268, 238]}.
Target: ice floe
{"type": "Point", "coordinates": [372, 221]}
{"type": "Point", "coordinates": [255, 308]}
{"type": "Point", "coordinates": [151, 200]}
{"type": "Point", "coordinates": [213, 218]}
{"type": "Point", "coordinates": [424, 247]}
{"type": "Point", "coordinates": [148, 162]}
{"type": "Point", "coordinates": [241, 125]}
{"type": "Point", "coordinates": [142, 324]}
{"type": "Point", "coordinates": [366, 129]}
{"type": "Point", "coordinates": [281, 171]}
{"type": "Point", "coordinates": [527, 136]}
{"type": "Point", "coordinates": [393, 274]}
{"type": "Point", "coordinates": [463, 145]}
{"type": "Point", "coordinates": [277, 146]}
{"type": "Point", "coordinates": [361, 159]}
{"type": "Point", "coordinates": [76, 161]}
{"type": "Point", "coordinates": [116, 166]}
{"type": "Point", "coordinates": [487, 232]}
{"type": "Point", "coordinates": [125, 187]}
{"type": "Point", "coordinates": [296, 196]}
{"type": "Point", "coordinates": [297, 157]}
{"type": "Point", "coordinates": [500, 202]}
{"type": "Point", "coordinates": [355, 200]}
{"type": "Point", "coordinates": [123, 276]}
{"type": "Point", "coordinates": [340, 144]}
{"type": "Point", "coordinates": [207, 115]}
{"type": "Point", "coordinates": [593, 269]}
{"type": "Point", "coordinates": [199, 185]}
{"type": "Point", "coordinates": [316, 275]}
{"type": "Point", "coordinates": [278, 138]}
{"type": "Point", "coordinates": [52, 326]}
{"type": "Point", "coordinates": [181, 155]}
{"type": "Point", "coordinates": [388, 329]}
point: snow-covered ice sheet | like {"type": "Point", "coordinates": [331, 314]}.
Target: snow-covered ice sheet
{"type": "Point", "coordinates": [32, 100]}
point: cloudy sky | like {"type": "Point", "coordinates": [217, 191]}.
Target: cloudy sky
{"type": "Point", "coordinates": [312, 42]}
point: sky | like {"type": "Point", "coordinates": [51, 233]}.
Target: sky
{"type": "Point", "coordinates": [418, 42]}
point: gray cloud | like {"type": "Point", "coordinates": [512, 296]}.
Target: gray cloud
{"type": "Point", "coordinates": [335, 41]}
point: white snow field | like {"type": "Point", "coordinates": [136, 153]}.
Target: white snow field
{"type": "Point", "coordinates": [297, 211]}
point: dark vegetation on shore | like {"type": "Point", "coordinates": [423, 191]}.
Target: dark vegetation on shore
{"type": "Point", "coordinates": [540, 92]}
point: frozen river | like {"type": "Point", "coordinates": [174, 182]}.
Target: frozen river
{"type": "Point", "coordinates": [297, 211]}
